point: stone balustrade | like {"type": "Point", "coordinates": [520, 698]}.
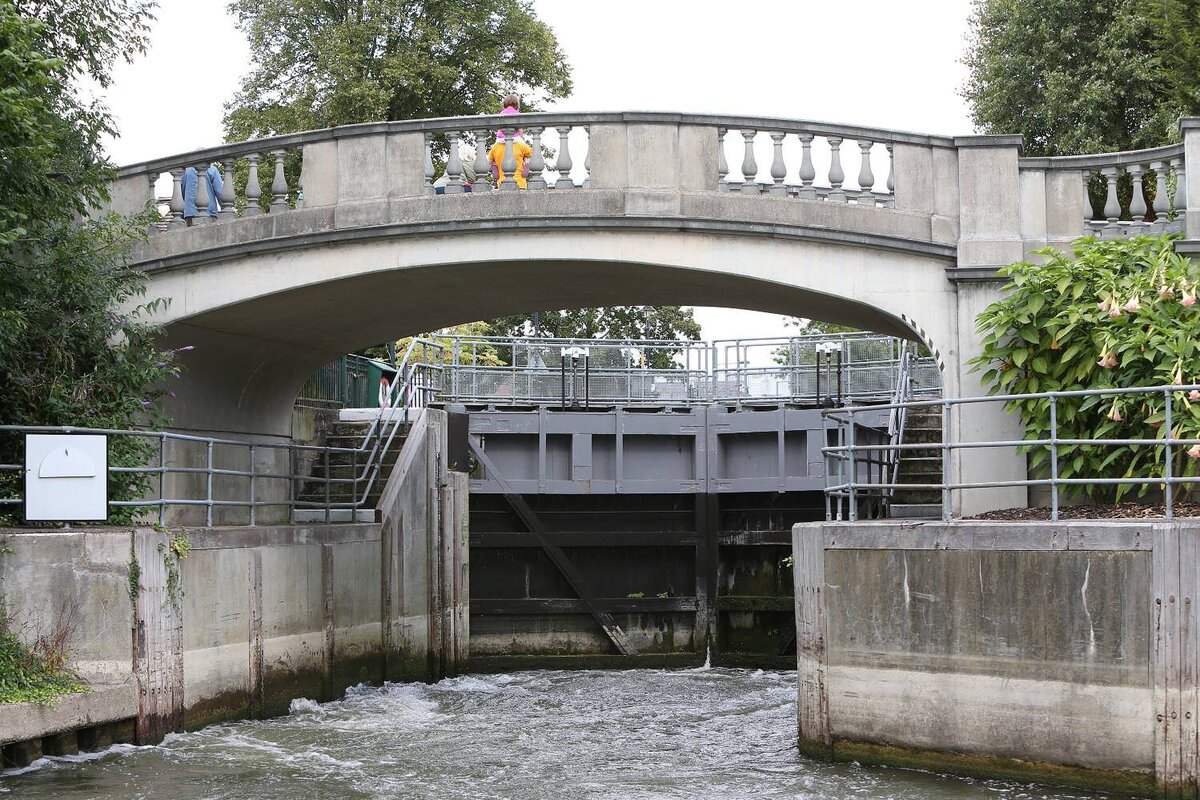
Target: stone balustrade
{"type": "Point", "coordinates": [793, 172]}
{"type": "Point", "coordinates": [640, 150]}
{"type": "Point", "coordinates": [973, 193]}
{"type": "Point", "coordinates": [1121, 194]}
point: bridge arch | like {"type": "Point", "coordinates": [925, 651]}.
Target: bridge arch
{"type": "Point", "coordinates": [296, 308]}
{"type": "Point", "coordinates": [646, 208]}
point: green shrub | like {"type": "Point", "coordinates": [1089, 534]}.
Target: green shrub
{"type": "Point", "coordinates": [1114, 314]}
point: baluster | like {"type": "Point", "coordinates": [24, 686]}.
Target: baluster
{"type": "Point", "coordinates": [483, 167]}
{"type": "Point", "coordinates": [1112, 208]}
{"type": "Point", "coordinates": [1137, 200]}
{"type": "Point", "coordinates": [509, 164]}
{"type": "Point", "coordinates": [836, 176]}
{"type": "Point", "coordinates": [1179, 201]}
{"type": "Point", "coordinates": [564, 159]}
{"type": "Point", "coordinates": [866, 177]}
{"type": "Point", "coordinates": [279, 187]}
{"type": "Point", "coordinates": [808, 172]}
{"type": "Point", "coordinates": [202, 199]}
{"type": "Point", "coordinates": [300, 186]}
{"type": "Point", "coordinates": [749, 164]}
{"type": "Point", "coordinates": [891, 181]}
{"type": "Point", "coordinates": [587, 160]}
{"type": "Point", "coordinates": [722, 167]}
{"type": "Point", "coordinates": [537, 162]}
{"type": "Point", "coordinates": [1161, 203]}
{"type": "Point", "coordinates": [253, 190]}
{"type": "Point", "coordinates": [228, 197]}
{"type": "Point", "coordinates": [429, 165]}
{"type": "Point", "coordinates": [1089, 211]}
{"type": "Point", "coordinates": [158, 216]}
{"type": "Point", "coordinates": [454, 180]}
{"type": "Point", "coordinates": [778, 169]}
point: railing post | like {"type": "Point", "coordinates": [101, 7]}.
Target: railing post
{"type": "Point", "coordinates": [327, 481]}
{"type": "Point", "coordinates": [253, 190]}
{"type": "Point", "coordinates": [162, 478]}
{"type": "Point", "coordinates": [202, 196]}
{"type": "Point", "coordinates": [429, 164]}
{"type": "Point", "coordinates": [1137, 201]}
{"type": "Point", "coordinates": [227, 197]}
{"type": "Point", "coordinates": [537, 163]}
{"type": "Point", "coordinates": [853, 471]}
{"type": "Point", "coordinates": [1168, 466]}
{"type": "Point", "coordinates": [1161, 204]}
{"type": "Point", "coordinates": [279, 186]}
{"type": "Point", "coordinates": [1112, 206]}
{"type": "Point", "coordinates": [778, 168]}
{"type": "Point", "coordinates": [253, 472]}
{"type": "Point", "coordinates": [482, 167]}
{"type": "Point", "coordinates": [722, 166]}
{"type": "Point", "coordinates": [836, 175]}
{"type": "Point", "coordinates": [947, 499]}
{"type": "Point", "coordinates": [454, 170]}
{"type": "Point", "coordinates": [749, 164]}
{"type": "Point", "coordinates": [508, 166]}
{"type": "Point", "coordinates": [563, 162]}
{"type": "Point", "coordinates": [808, 173]}
{"type": "Point", "coordinates": [866, 176]}
{"type": "Point", "coordinates": [176, 204]}
{"type": "Point", "coordinates": [1053, 458]}
{"type": "Point", "coordinates": [208, 516]}
{"type": "Point", "coordinates": [891, 178]}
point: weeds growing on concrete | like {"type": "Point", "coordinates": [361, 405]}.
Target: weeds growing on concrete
{"type": "Point", "coordinates": [36, 672]}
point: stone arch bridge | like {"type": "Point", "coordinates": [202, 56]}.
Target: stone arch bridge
{"type": "Point", "coordinates": [628, 208]}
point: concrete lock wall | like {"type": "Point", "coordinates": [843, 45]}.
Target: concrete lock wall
{"type": "Point", "coordinates": [1062, 652]}
{"type": "Point", "coordinates": [250, 618]}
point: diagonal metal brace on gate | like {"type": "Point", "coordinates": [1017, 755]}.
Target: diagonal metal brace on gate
{"type": "Point", "coordinates": [556, 554]}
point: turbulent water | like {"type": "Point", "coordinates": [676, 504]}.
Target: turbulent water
{"type": "Point", "coordinates": [706, 733]}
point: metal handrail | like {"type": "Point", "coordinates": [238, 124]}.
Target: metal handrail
{"type": "Point", "coordinates": [210, 500]}
{"type": "Point", "coordinates": [843, 487]}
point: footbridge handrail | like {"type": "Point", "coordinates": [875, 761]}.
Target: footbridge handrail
{"type": "Point", "coordinates": [764, 155]}
{"type": "Point", "coordinates": [859, 481]}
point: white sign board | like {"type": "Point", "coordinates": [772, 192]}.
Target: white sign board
{"type": "Point", "coordinates": [66, 477]}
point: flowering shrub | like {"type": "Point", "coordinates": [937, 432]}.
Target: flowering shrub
{"type": "Point", "coordinates": [1118, 313]}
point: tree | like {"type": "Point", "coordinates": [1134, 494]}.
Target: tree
{"type": "Point", "coordinates": [1113, 314]}
{"type": "Point", "coordinates": [1076, 76]}
{"type": "Point", "coordinates": [66, 356]}
{"type": "Point", "coordinates": [670, 323]}
{"type": "Point", "coordinates": [320, 63]}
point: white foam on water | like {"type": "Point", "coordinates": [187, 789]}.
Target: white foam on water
{"type": "Point", "coordinates": [74, 758]}
{"type": "Point", "coordinates": [302, 705]}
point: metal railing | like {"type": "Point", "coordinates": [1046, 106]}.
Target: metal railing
{"type": "Point", "coordinates": [854, 481]}
{"type": "Point", "coordinates": [240, 474]}
{"type": "Point", "coordinates": [812, 368]}
{"type": "Point", "coordinates": [258, 483]}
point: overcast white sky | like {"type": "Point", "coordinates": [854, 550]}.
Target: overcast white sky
{"type": "Point", "coordinates": [883, 63]}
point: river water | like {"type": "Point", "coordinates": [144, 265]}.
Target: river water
{"type": "Point", "coordinates": [638, 734]}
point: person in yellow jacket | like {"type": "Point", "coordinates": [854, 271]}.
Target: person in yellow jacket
{"type": "Point", "coordinates": [521, 151]}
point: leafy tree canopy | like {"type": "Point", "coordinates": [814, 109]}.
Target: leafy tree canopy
{"type": "Point", "coordinates": [320, 63]}
{"type": "Point", "coordinates": [66, 356]}
{"type": "Point", "coordinates": [1076, 76]}
{"type": "Point", "coordinates": [1113, 314]}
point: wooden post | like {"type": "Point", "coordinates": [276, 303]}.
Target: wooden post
{"type": "Point", "coordinates": [812, 707]}
{"type": "Point", "coordinates": [1165, 619]}
{"type": "Point", "coordinates": [157, 638]}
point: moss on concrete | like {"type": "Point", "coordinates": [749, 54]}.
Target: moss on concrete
{"type": "Point", "coordinates": [1124, 783]}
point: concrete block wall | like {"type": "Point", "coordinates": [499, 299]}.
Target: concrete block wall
{"type": "Point", "coordinates": [252, 617]}
{"type": "Point", "coordinates": [1062, 653]}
